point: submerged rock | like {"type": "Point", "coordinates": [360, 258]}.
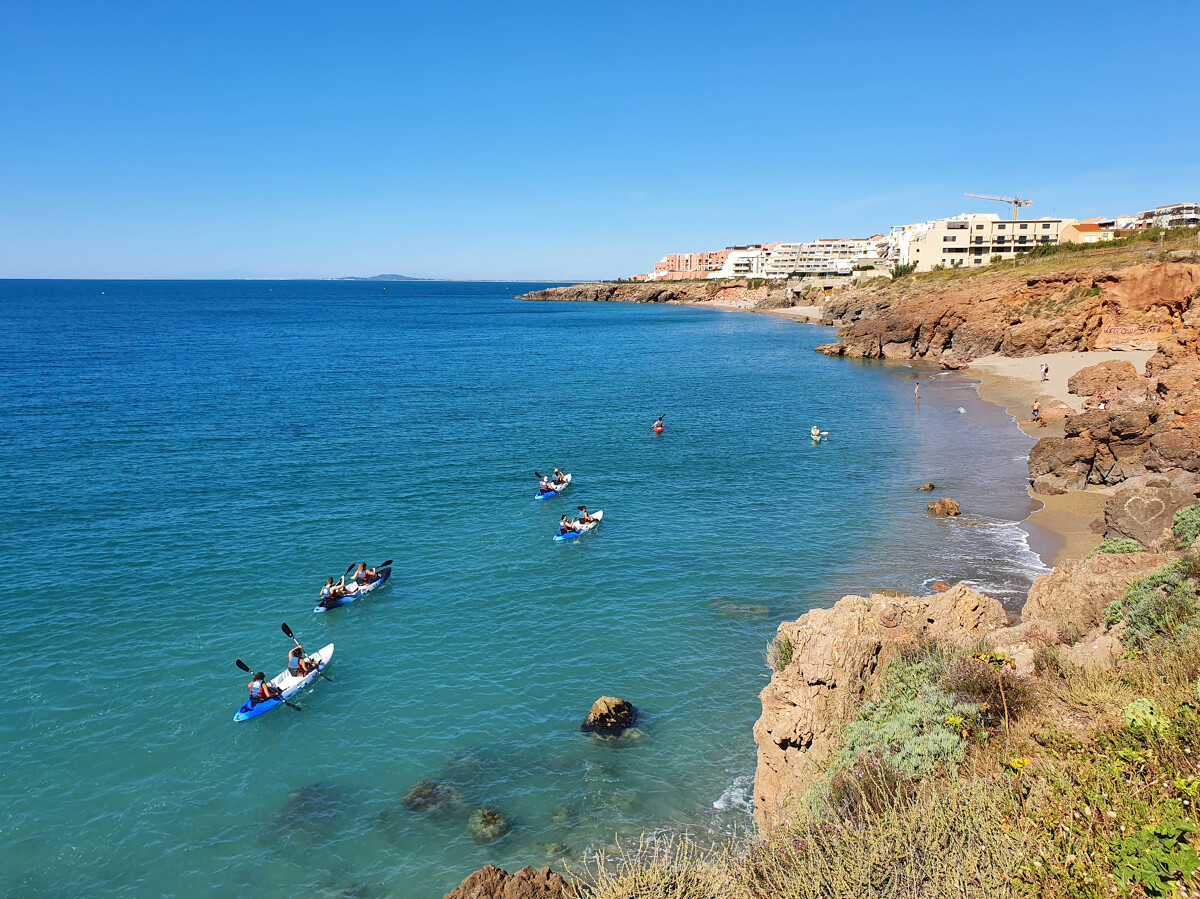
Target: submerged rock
{"type": "Point", "coordinates": [610, 715]}
{"type": "Point", "coordinates": [433, 797]}
{"type": "Point", "coordinates": [925, 487]}
{"type": "Point", "coordinates": [486, 825]}
{"type": "Point", "coordinates": [496, 883]}
{"type": "Point", "coordinates": [313, 804]}
{"type": "Point", "coordinates": [734, 609]}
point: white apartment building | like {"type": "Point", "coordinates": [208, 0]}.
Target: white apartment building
{"type": "Point", "coordinates": [744, 262]}
{"type": "Point", "coordinates": [970, 239]}
{"type": "Point", "coordinates": [1174, 216]}
{"type": "Point", "coordinates": [827, 256]}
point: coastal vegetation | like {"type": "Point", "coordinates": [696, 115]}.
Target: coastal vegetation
{"type": "Point", "coordinates": [959, 777]}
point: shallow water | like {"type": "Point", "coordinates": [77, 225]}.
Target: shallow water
{"type": "Point", "coordinates": [185, 462]}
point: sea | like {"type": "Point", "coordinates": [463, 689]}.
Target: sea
{"type": "Point", "coordinates": [186, 462]}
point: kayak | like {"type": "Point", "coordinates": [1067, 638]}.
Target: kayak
{"type": "Point", "coordinates": [289, 684]}
{"type": "Point", "coordinates": [326, 604]}
{"type": "Point", "coordinates": [658, 429]}
{"type": "Point", "coordinates": [571, 535]}
{"type": "Point", "coordinates": [555, 489]}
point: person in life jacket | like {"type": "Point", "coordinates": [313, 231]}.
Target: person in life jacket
{"type": "Point", "coordinates": [544, 486]}
{"type": "Point", "coordinates": [584, 518]}
{"type": "Point", "coordinates": [261, 691]}
{"type": "Point", "coordinates": [298, 664]}
{"type": "Point", "coordinates": [559, 477]}
{"type": "Point", "coordinates": [365, 575]}
{"type": "Point", "coordinates": [815, 432]}
{"type": "Point", "coordinates": [658, 425]}
{"type": "Point", "coordinates": [565, 527]}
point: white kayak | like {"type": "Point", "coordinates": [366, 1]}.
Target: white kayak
{"type": "Point", "coordinates": [583, 528]}
{"type": "Point", "coordinates": [288, 684]}
{"type": "Point", "coordinates": [555, 489]}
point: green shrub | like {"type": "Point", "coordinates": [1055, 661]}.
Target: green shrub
{"type": "Point", "coordinates": [1186, 524]}
{"type": "Point", "coordinates": [994, 688]}
{"type": "Point", "coordinates": [779, 652]}
{"type": "Point", "coordinates": [1156, 856]}
{"type": "Point", "coordinates": [1143, 714]}
{"type": "Point", "coordinates": [903, 268]}
{"type": "Point", "coordinates": [908, 723]}
{"type": "Point", "coordinates": [869, 786]}
{"type": "Point", "coordinates": [1162, 604]}
{"type": "Point", "coordinates": [1118, 545]}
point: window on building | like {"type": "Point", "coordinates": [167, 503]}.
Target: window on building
{"type": "Point", "coordinates": [1024, 227]}
{"type": "Point", "coordinates": [979, 227]}
{"type": "Point", "coordinates": [978, 240]}
{"type": "Point", "coordinates": [1046, 226]}
{"type": "Point", "coordinates": [949, 239]}
{"type": "Point", "coordinates": [1000, 227]}
{"type": "Point", "coordinates": [1022, 238]}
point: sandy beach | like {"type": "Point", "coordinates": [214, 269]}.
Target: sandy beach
{"type": "Point", "coordinates": [1059, 530]}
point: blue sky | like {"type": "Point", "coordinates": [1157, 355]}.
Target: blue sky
{"type": "Point", "coordinates": [465, 140]}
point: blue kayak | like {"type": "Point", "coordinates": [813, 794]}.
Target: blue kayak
{"type": "Point", "coordinates": [287, 684]}
{"type": "Point", "coordinates": [326, 604]}
{"type": "Point", "coordinates": [555, 489]}
{"type": "Point", "coordinates": [574, 535]}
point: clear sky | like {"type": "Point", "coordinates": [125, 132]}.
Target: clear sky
{"type": "Point", "coordinates": [563, 140]}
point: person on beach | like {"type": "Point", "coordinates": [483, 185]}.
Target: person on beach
{"type": "Point", "coordinates": [1045, 372]}
{"type": "Point", "coordinates": [365, 575]}
{"type": "Point", "coordinates": [298, 663]}
{"type": "Point", "coordinates": [1037, 410]}
{"type": "Point", "coordinates": [261, 691]}
{"type": "Point", "coordinates": [565, 527]}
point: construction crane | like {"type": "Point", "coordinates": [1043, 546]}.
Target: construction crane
{"type": "Point", "coordinates": [1016, 202]}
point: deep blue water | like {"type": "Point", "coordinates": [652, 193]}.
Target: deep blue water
{"type": "Point", "coordinates": [185, 462]}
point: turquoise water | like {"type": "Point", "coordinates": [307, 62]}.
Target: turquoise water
{"type": "Point", "coordinates": [185, 462]}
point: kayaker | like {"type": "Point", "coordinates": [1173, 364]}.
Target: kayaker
{"type": "Point", "coordinates": [365, 575]}
{"type": "Point", "coordinates": [658, 425]}
{"type": "Point", "coordinates": [584, 518]}
{"type": "Point", "coordinates": [559, 477]}
{"type": "Point", "coordinates": [544, 486]}
{"type": "Point", "coordinates": [565, 527]}
{"type": "Point", "coordinates": [261, 691]}
{"type": "Point", "coordinates": [298, 663]}
{"type": "Point", "coordinates": [815, 433]}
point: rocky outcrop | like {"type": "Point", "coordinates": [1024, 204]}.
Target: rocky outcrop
{"type": "Point", "coordinates": [738, 293]}
{"type": "Point", "coordinates": [1145, 513]}
{"type": "Point", "coordinates": [837, 654]}
{"type": "Point", "coordinates": [496, 883]}
{"type": "Point", "coordinates": [944, 506]}
{"type": "Point", "coordinates": [999, 312]}
{"type": "Point", "coordinates": [1072, 598]}
{"type": "Point", "coordinates": [610, 716]}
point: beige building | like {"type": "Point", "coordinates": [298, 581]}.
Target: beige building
{"type": "Point", "coordinates": [826, 256]}
{"type": "Point", "coordinates": [970, 239]}
{"type": "Point", "coordinates": [1093, 232]}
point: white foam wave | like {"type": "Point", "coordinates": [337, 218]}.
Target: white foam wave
{"type": "Point", "coordinates": [739, 795]}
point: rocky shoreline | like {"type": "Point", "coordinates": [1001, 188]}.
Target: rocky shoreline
{"type": "Point", "coordinates": [1120, 443]}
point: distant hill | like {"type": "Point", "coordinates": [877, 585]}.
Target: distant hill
{"type": "Point", "coordinates": [381, 278]}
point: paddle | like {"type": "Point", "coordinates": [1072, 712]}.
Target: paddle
{"type": "Point", "coordinates": [287, 630]}
{"type": "Point", "coordinates": [250, 671]}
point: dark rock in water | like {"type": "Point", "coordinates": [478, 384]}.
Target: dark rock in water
{"type": "Point", "coordinates": [496, 883]}
{"type": "Point", "coordinates": [486, 825]}
{"type": "Point", "coordinates": [433, 797]}
{"type": "Point", "coordinates": [560, 814]}
{"type": "Point", "coordinates": [314, 804]}
{"type": "Point", "coordinates": [925, 487]}
{"type": "Point", "coordinates": [735, 609]}
{"type": "Point", "coordinates": [610, 715]}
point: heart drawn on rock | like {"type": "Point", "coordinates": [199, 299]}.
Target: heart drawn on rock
{"type": "Point", "coordinates": [1143, 509]}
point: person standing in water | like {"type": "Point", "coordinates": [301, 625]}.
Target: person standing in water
{"type": "Point", "coordinates": [917, 393]}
